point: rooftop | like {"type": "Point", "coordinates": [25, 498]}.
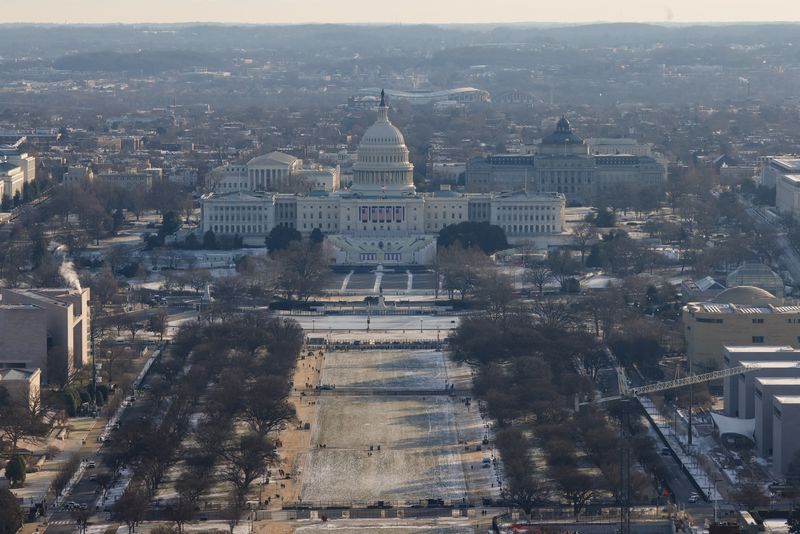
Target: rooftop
{"type": "Point", "coordinates": [773, 381]}
{"type": "Point", "coordinates": [6, 166]}
{"type": "Point", "coordinates": [787, 399]}
{"type": "Point", "coordinates": [772, 364]}
{"type": "Point", "coordinates": [17, 374]}
{"type": "Point", "coordinates": [789, 164]}
{"type": "Point", "coordinates": [760, 348]}
{"type": "Point", "coordinates": [273, 158]}
{"type": "Point", "coordinates": [794, 179]}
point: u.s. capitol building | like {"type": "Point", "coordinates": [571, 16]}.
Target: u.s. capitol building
{"type": "Point", "coordinates": [380, 218]}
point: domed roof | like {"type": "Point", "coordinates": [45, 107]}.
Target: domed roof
{"type": "Point", "coordinates": [562, 135]}
{"type": "Point", "coordinates": [743, 296]}
{"type": "Point", "coordinates": [383, 132]}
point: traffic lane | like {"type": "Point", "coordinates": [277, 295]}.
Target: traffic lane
{"type": "Point", "coordinates": [678, 482]}
{"type": "Point", "coordinates": [86, 491]}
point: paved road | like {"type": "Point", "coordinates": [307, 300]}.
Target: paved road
{"type": "Point", "coordinates": [677, 480]}
{"type": "Point", "coordinates": [410, 323]}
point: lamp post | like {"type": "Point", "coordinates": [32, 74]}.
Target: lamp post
{"type": "Point", "coordinates": [420, 326]}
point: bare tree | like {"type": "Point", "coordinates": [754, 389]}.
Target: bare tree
{"type": "Point", "coordinates": [523, 487]}
{"type": "Point", "coordinates": [576, 487]}
{"type": "Point", "coordinates": [495, 291]}
{"type": "Point", "coordinates": [131, 507]}
{"type": "Point", "coordinates": [247, 458]}
{"type": "Point", "coordinates": [81, 517]}
{"type": "Point", "coordinates": [20, 420]}
{"type": "Point", "coordinates": [158, 323]}
{"type": "Point", "coordinates": [299, 270]}
{"type": "Point", "coordinates": [461, 269]}
{"type": "Point", "coordinates": [265, 405]}
{"type": "Point", "coordinates": [538, 274]}
{"type": "Point", "coordinates": [553, 313]}
{"type": "Point", "coordinates": [133, 326]}
{"type": "Point", "coordinates": [180, 512]}
{"type": "Point", "coordinates": [583, 234]}
{"type": "Point", "coordinates": [561, 265]}
{"type": "Point", "coordinates": [232, 513]}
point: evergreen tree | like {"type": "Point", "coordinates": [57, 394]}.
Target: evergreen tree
{"type": "Point", "coordinates": [316, 236]}
{"type": "Point", "coordinates": [280, 237]}
{"type": "Point", "coordinates": [15, 470]}
{"type": "Point", "coordinates": [10, 513]}
{"type": "Point", "coordinates": [210, 240]}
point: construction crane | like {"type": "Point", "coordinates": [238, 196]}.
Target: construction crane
{"type": "Point", "coordinates": [626, 395]}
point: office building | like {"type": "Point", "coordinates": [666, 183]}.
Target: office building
{"type": "Point", "coordinates": [734, 356]}
{"type": "Point", "coordinates": [786, 429]}
{"type": "Point", "coordinates": [766, 389]}
{"type": "Point", "coordinates": [35, 323]}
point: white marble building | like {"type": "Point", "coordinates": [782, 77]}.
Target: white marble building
{"type": "Point", "coordinates": [275, 171]}
{"type": "Point", "coordinates": [380, 219]}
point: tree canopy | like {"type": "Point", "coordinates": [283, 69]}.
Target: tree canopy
{"type": "Point", "coordinates": [488, 237]}
{"type": "Point", "coordinates": [10, 513]}
{"type": "Point", "coordinates": [280, 237]}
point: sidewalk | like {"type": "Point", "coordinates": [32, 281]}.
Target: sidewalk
{"type": "Point", "coordinates": [678, 447]}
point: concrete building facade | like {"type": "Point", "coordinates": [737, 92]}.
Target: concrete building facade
{"type": "Point", "coordinates": [733, 356]}
{"type": "Point", "coordinates": [740, 316]}
{"type": "Point", "coordinates": [563, 163]}
{"type": "Point", "coordinates": [380, 218]}
{"type": "Point", "coordinates": [23, 386]}
{"type": "Point", "coordinates": [786, 428]}
{"type": "Point", "coordinates": [764, 369]}
{"type": "Point", "coordinates": [766, 389]}
{"type": "Point", "coordinates": [38, 322]}
{"type": "Point", "coordinates": [13, 178]}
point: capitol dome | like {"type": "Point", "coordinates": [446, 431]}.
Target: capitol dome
{"type": "Point", "coordinates": [382, 166]}
{"type": "Point", "coordinates": [383, 132]}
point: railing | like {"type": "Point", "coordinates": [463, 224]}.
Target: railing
{"type": "Point", "coordinates": [377, 392]}
{"type": "Point", "coordinates": [352, 345]}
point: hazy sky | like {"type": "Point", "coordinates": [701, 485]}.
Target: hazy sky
{"type": "Point", "coordinates": [405, 11]}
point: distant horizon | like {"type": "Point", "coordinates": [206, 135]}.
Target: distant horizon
{"type": "Point", "coordinates": [532, 24]}
{"type": "Point", "coordinates": [411, 12]}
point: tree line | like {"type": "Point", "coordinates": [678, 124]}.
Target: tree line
{"type": "Point", "coordinates": [237, 373]}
